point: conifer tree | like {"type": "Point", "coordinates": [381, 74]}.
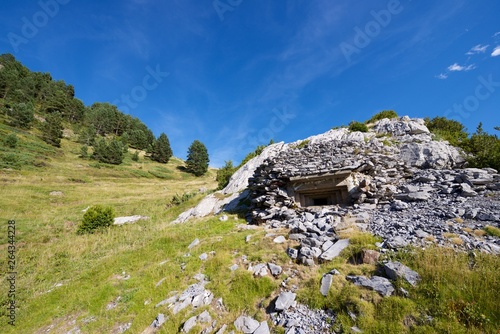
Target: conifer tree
{"type": "Point", "coordinates": [52, 129]}
{"type": "Point", "coordinates": [197, 160]}
{"type": "Point", "coordinates": [161, 149]}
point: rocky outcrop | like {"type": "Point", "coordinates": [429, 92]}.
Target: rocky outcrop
{"type": "Point", "coordinates": [394, 181]}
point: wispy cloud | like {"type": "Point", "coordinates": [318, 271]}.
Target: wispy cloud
{"type": "Point", "coordinates": [477, 49]}
{"type": "Point", "coordinates": [496, 34]}
{"type": "Point", "coordinates": [496, 51]}
{"type": "Point", "coordinates": [459, 68]}
{"type": "Point", "coordinates": [442, 76]}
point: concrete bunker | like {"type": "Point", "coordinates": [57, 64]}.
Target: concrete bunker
{"type": "Point", "coordinates": [321, 189]}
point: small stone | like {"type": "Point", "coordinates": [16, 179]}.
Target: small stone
{"type": "Point", "coordinates": [160, 320]}
{"type": "Point", "coordinates": [246, 324]}
{"type": "Point", "coordinates": [335, 250]}
{"type": "Point", "coordinates": [284, 301]}
{"type": "Point", "coordinates": [194, 243]}
{"type": "Point", "coordinates": [397, 269]}
{"type": "Point", "coordinates": [223, 218]}
{"type": "Point", "coordinates": [56, 193]}
{"type": "Point", "coordinates": [203, 256]}
{"type": "Point", "coordinates": [222, 329]}
{"type": "Point", "coordinates": [279, 240]}
{"type": "Point", "coordinates": [248, 238]}
{"type": "Point", "coordinates": [204, 317]}
{"type": "Point", "coordinates": [263, 328]}
{"type": "Point", "coordinates": [326, 282]}
{"type": "Point", "coordinates": [292, 252]}
{"type": "Point", "coordinates": [234, 267]}
{"type": "Point", "coordinates": [260, 270]}
{"type": "Point", "coordinates": [275, 269]}
{"type": "Point", "coordinates": [189, 324]}
{"type": "Point", "coordinates": [370, 256]}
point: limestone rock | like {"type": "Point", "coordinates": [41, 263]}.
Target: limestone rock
{"type": "Point", "coordinates": [284, 301]}
{"type": "Point", "coordinates": [128, 220]}
{"type": "Point", "coordinates": [335, 250]}
{"type": "Point", "coordinates": [246, 324]}
{"type": "Point", "coordinates": [377, 283]}
{"type": "Point", "coordinates": [397, 269]}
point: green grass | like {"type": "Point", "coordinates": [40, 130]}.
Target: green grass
{"type": "Point", "coordinates": [492, 230]}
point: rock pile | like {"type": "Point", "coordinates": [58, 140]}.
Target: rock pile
{"type": "Point", "coordinates": [402, 186]}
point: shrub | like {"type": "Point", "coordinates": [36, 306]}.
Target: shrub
{"type": "Point", "coordinates": [179, 199]}
{"type": "Point", "coordinates": [492, 230]}
{"type": "Point", "coordinates": [52, 129]}
{"type": "Point", "coordinates": [22, 115]}
{"type": "Point", "coordinates": [224, 174]}
{"type": "Point", "coordinates": [11, 140]}
{"type": "Point", "coordinates": [84, 151]}
{"type": "Point", "coordinates": [383, 114]}
{"type": "Point", "coordinates": [485, 149]}
{"type": "Point", "coordinates": [97, 217]}
{"type": "Point", "coordinates": [10, 160]}
{"type": "Point", "coordinates": [357, 126]}
{"type": "Point", "coordinates": [135, 156]}
{"type": "Point", "coordinates": [110, 153]}
{"type": "Point", "coordinates": [452, 131]}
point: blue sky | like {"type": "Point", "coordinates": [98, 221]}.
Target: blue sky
{"type": "Point", "coordinates": [236, 73]}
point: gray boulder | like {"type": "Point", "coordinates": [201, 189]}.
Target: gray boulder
{"type": "Point", "coordinates": [334, 250]}
{"type": "Point", "coordinates": [246, 324]}
{"type": "Point", "coordinates": [377, 283]}
{"type": "Point", "coordinates": [397, 269]}
{"type": "Point", "coordinates": [284, 301]}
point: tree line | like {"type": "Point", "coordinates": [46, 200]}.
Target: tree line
{"type": "Point", "coordinates": [101, 126]}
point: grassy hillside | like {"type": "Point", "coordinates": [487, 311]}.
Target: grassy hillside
{"type": "Point", "coordinates": [102, 282]}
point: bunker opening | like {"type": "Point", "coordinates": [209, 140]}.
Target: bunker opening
{"type": "Point", "coordinates": [320, 190]}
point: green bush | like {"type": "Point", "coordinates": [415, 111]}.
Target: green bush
{"type": "Point", "coordinates": [179, 199]}
{"type": "Point", "coordinates": [485, 149]}
{"type": "Point", "coordinates": [11, 140]}
{"type": "Point", "coordinates": [383, 114]}
{"type": "Point", "coordinates": [135, 156]}
{"type": "Point", "coordinates": [357, 126]}
{"type": "Point", "coordinates": [10, 160]}
{"type": "Point", "coordinates": [52, 129]}
{"type": "Point", "coordinates": [97, 217]}
{"type": "Point", "coordinates": [84, 151]}
{"type": "Point", "coordinates": [452, 131]}
{"type": "Point", "coordinates": [108, 152]}
{"type": "Point", "coordinates": [22, 115]}
{"type": "Point", "coordinates": [224, 174]}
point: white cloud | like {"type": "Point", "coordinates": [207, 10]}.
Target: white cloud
{"type": "Point", "coordinates": [496, 52]}
{"type": "Point", "coordinates": [459, 68]}
{"type": "Point", "coordinates": [442, 76]}
{"type": "Point", "coordinates": [477, 49]}
{"type": "Point", "coordinates": [496, 34]}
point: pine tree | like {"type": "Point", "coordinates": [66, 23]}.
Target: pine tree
{"type": "Point", "coordinates": [110, 153]}
{"type": "Point", "coordinates": [161, 149]}
{"type": "Point", "coordinates": [52, 129]}
{"type": "Point", "coordinates": [22, 115]}
{"type": "Point", "coordinates": [197, 160]}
